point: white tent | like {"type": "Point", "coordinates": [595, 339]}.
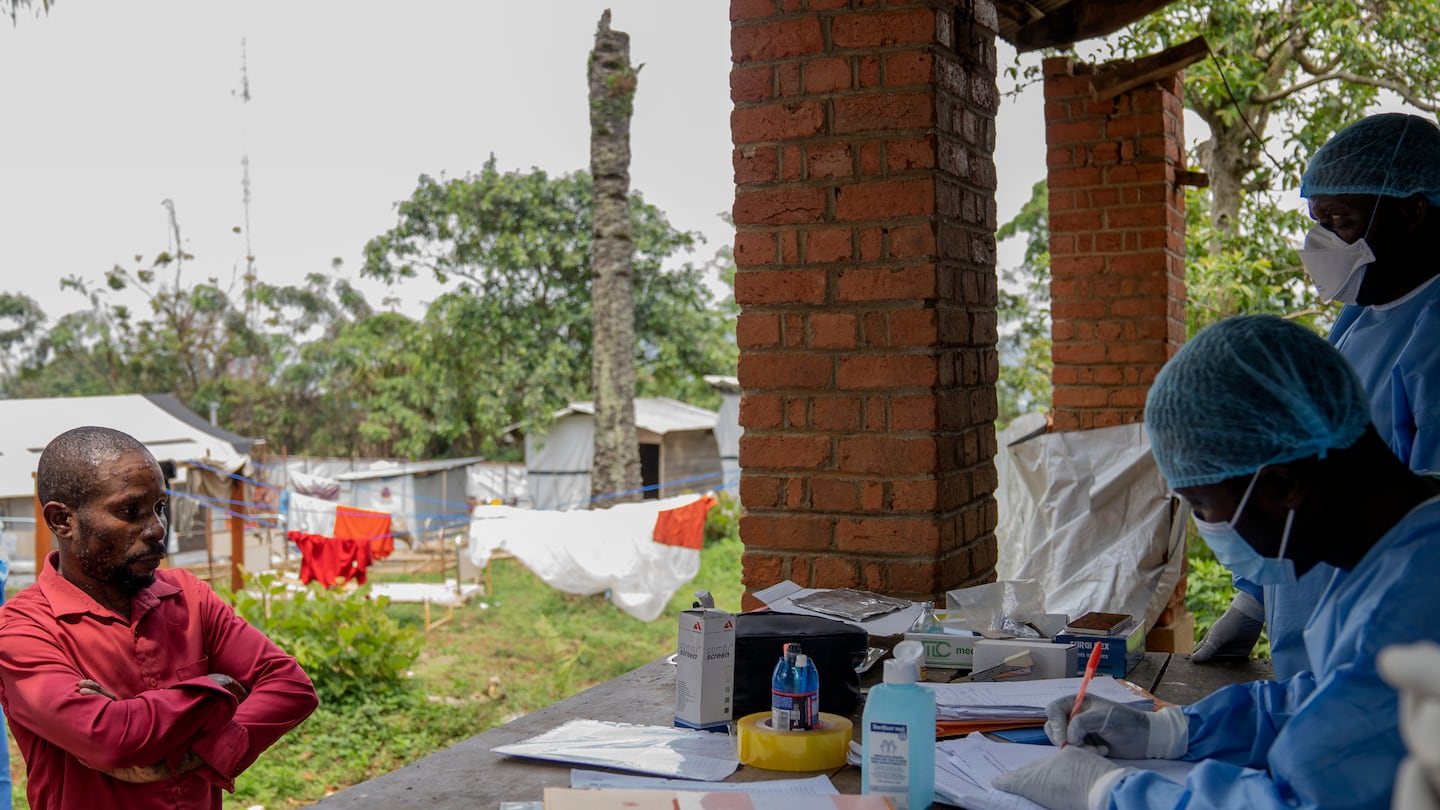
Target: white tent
{"type": "Point", "coordinates": [678, 452]}
{"type": "Point", "coordinates": [171, 431]}
{"type": "Point", "coordinates": [727, 428]}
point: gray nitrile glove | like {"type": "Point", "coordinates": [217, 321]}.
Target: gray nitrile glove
{"type": "Point", "coordinates": [1112, 730]}
{"type": "Point", "coordinates": [1235, 633]}
{"type": "Point", "coordinates": [1073, 779]}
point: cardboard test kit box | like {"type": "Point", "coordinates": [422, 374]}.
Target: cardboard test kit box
{"type": "Point", "coordinates": [705, 669]}
{"type": "Point", "coordinates": [1120, 651]}
{"type": "Point", "coordinates": [946, 651]}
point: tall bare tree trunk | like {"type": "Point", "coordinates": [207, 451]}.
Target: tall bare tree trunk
{"type": "Point", "coordinates": [616, 466]}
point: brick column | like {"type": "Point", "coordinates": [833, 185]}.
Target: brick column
{"type": "Point", "coordinates": [1117, 243]}
{"type": "Point", "coordinates": [1117, 260]}
{"type": "Point", "coordinates": [865, 255]}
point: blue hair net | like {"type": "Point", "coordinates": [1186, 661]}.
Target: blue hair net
{"type": "Point", "coordinates": [1390, 154]}
{"type": "Point", "coordinates": [1250, 391]}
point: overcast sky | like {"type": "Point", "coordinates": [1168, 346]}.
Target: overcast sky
{"type": "Point", "coordinates": [113, 107]}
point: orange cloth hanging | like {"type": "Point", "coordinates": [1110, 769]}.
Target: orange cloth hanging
{"type": "Point", "coordinates": [367, 526]}
{"type": "Point", "coordinates": [331, 560]}
{"type": "Point", "coordinates": [684, 526]}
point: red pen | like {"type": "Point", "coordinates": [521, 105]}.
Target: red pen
{"type": "Point", "coordinates": [1090, 666]}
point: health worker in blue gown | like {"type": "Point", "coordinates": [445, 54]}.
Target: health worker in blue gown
{"type": "Point", "coordinates": [1373, 190]}
{"type": "Point", "coordinates": [1265, 430]}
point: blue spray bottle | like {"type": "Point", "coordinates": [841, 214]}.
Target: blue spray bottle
{"type": "Point", "coordinates": [898, 734]}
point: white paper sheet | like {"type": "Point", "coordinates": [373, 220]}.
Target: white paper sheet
{"type": "Point", "coordinates": [780, 597]}
{"type": "Point", "coordinates": [657, 750]}
{"type": "Point", "coordinates": [1003, 700]}
{"type": "Point", "coordinates": [965, 766]}
{"type": "Point", "coordinates": [815, 785]}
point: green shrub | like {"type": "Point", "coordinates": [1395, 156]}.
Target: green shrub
{"type": "Point", "coordinates": [346, 642]}
{"type": "Point", "coordinates": [723, 520]}
{"type": "Point", "coordinates": [1209, 589]}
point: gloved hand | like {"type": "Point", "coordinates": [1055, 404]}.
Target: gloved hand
{"type": "Point", "coordinates": [1112, 730]}
{"type": "Point", "coordinates": [1073, 779]}
{"type": "Point", "coordinates": [1234, 634]}
{"type": "Point", "coordinates": [1414, 669]}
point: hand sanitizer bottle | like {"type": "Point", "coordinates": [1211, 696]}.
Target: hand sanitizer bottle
{"type": "Point", "coordinates": [898, 734]}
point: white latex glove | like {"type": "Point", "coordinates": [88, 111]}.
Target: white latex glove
{"type": "Point", "coordinates": [1414, 669]}
{"type": "Point", "coordinates": [1073, 779]}
{"type": "Point", "coordinates": [1234, 634]}
{"type": "Point", "coordinates": [1112, 730]}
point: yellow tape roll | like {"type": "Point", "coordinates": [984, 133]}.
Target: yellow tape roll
{"type": "Point", "coordinates": [816, 750]}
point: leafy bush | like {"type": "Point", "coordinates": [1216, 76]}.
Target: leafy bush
{"type": "Point", "coordinates": [347, 643]}
{"type": "Point", "coordinates": [723, 520]}
{"type": "Point", "coordinates": [1209, 589]}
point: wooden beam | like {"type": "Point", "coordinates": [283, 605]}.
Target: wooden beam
{"type": "Point", "coordinates": [237, 533]}
{"type": "Point", "coordinates": [1082, 19]}
{"type": "Point", "coordinates": [1185, 177]}
{"type": "Point", "coordinates": [1114, 78]}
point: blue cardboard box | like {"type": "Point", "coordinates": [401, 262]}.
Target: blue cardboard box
{"type": "Point", "coordinates": [1119, 652]}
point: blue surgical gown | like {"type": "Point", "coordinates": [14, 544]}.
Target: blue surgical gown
{"type": "Point", "coordinates": [1328, 737]}
{"type": "Point", "coordinates": [1395, 349]}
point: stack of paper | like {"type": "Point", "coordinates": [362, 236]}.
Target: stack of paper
{"type": "Point", "coordinates": [964, 768]}
{"type": "Point", "coordinates": [1022, 700]}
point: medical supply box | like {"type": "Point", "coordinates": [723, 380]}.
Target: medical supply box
{"type": "Point", "coordinates": [705, 669]}
{"type": "Point", "coordinates": [1120, 651]}
{"type": "Point", "coordinates": [1049, 660]}
{"type": "Point", "coordinates": [946, 650]}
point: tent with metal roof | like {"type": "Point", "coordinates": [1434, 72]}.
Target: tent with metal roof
{"type": "Point", "coordinates": [678, 452]}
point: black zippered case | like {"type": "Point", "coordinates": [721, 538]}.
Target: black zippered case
{"type": "Point", "coordinates": [836, 647]}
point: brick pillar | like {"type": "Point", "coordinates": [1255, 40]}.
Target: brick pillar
{"type": "Point", "coordinates": [865, 253]}
{"type": "Point", "coordinates": [1117, 260]}
{"type": "Point", "coordinates": [1117, 243]}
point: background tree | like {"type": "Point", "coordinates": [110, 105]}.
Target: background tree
{"type": "Point", "coordinates": [615, 465]}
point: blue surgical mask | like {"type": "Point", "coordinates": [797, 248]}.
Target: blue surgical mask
{"type": "Point", "coordinates": [1337, 268]}
{"type": "Point", "coordinates": [1244, 561]}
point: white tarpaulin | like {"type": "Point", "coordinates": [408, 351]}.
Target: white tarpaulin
{"type": "Point", "coordinates": [727, 428]}
{"type": "Point", "coordinates": [592, 551]}
{"type": "Point", "coordinates": [1088, 514]}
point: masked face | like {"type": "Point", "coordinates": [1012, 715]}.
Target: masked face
{"type": "Point", "coordinates": [1240, 557]}
{"type": "Point", "coordinates": [1335, 267]}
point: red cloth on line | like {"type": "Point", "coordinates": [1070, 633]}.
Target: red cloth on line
{"type": "Point", "coordinates": [367, 525]}
{"type": "Point", "coordinates": [331, 560]}
{"type": "Point", "coordinates": [683, 526]}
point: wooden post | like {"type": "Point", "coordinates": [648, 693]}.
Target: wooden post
{"type": "Point", "coordinates": [44, 542]}
{"type": "Point", "coordinates": [237, 532]}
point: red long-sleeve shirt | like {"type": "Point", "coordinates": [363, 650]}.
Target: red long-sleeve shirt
{"type": "Point", "coordinates": [52, 635]}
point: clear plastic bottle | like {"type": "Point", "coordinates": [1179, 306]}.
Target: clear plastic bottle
{"type": "Point", "coordinates": [794, 691]}
{"type": "Point", "coordinates": [927, 621]}
{"type": "Point", "coordinates": [898, 737]}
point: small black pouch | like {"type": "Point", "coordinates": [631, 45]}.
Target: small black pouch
{"type": "Point", "coordinates": [836, 647]}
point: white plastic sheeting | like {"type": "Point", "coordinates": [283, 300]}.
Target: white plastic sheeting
{"type": "Point", "coordinates": [727, 428]}
{"type": "Point", "coordinates": [592, 551]}
{"type": "Point", "coordinates": [506, 483]}
{"type": "Point", "coordinates": [1088, 514]}
{"type": "Point", "coordinates": [557, 464]}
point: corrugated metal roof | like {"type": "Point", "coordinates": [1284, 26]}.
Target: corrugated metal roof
{"type": "Point", "coordinates": [391, 469]}
{"type": "Point", "coordinates": [656, 414]}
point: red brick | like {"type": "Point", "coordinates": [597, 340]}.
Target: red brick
{"type": "Point", "coordinates": [914, 67]}
{"type": "Point", "coordinates": [914, 413]}
{"type": "Point", "coordinates": [875, 30]}
{"type": "Point", "coordinates": [751, 9]}
{"type": "Point", "coordinates": [887, 455]}
{"type": "Point", "coordinates": [830, 160]}
{"type": "Point", "coordinates": [912, 495]}
{"type": "Point", "coordinates": [882, 112]}
{"type": "Point", "coordinates": [906, 155]}
{"type": "Point", "coordinates": [779, 287]}
{"type": "Point", "coordinates": [916, 580]}
{"type": "Point", "coordinates": [869, 71]}
{"type": "Point", "coordinates": [754, 248]}
{"type": "Point", "coordinates": [915, 327]}
{"type": "Point", "coordinates": [836, 414]}
{"type": "Point", "coordinates": [776, 40]}
{"type": "Point", "coordinates": [754, 164]}
{"type": "Point", "coordinates": [887, 371]}
{"type": "Point", "coordinates": [834, 495]}
{"type": "Point", "coordinates": [751, 84]}
{"type": "Point", "coordinates": [777, 122]}
{"type": "Point", "coordinates": [884, 200]}
{"type": "Point", "coordinates": [824, 245]}
{"type": "Point", "coordinates": [795, 410]}
{"type": "Point", "coordinates": [788, 370]}
{"type": "Point", "coordinates": [835, 572]}
{"type": "Point", "coordinates": [912, 241]}
{"type": "Point", "coordinates": [760, 491]}
{"type": "Point", "coordinates": [778, 206]}
{"type": "Point", "coordinates": [792, 165]}
{"type": "Point", "coordinates": [833, 330]}
{"type": "Point", "coordinates": [827, 75]}
{"type": "Point", "coordinates": [759, 411]}
{"type": "Point", "coordinates": [890, 536]}
{"type": "Point", "coordinates": [783, 451]}
{"type": "Point", "coordinates": [788, 532]}
{"type": "Point", "coordinates": [757, 330]}
{"type": "Point", "coordinates": [787, 80]}
{"type": "Point", "coordinates": [1075, 177]}
{"type": "Point", "coordinates": [909, 283]}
